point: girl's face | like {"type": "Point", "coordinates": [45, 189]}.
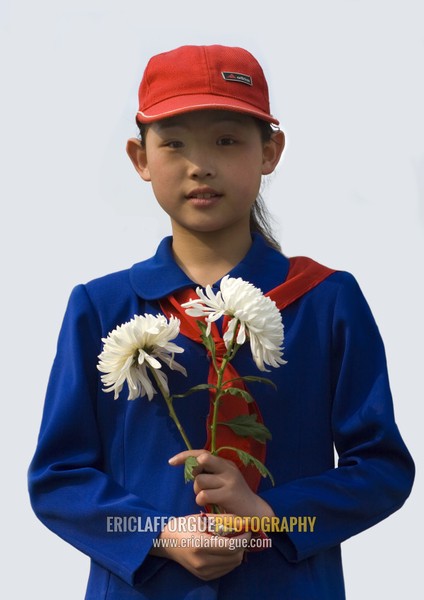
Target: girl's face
{"type": "Point", "coordinates": [206, 167]}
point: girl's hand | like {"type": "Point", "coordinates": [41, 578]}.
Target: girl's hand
{"type": "Point", "coordinates": [204, 555]}
{"type": "Point", "coordinates": [218, 481]}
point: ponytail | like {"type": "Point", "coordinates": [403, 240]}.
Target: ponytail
{"type": "Point", "coordinates": [260, 217]}
{"type": "Point", "coordinates": [260, 222]}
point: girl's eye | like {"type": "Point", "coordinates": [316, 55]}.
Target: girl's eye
{"type": "Point", "coordinates": [226, 141]}
{"type": "Point", "coordinates": [174, 144]}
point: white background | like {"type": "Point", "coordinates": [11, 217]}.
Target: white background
{"type": "Point", "coordinates": [346, 80]}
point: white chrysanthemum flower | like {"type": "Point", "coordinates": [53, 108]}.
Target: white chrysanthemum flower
{"type": "Point", "coordinates": [256, 316]}
{"type": "Point", "coordinates": [134, 347]}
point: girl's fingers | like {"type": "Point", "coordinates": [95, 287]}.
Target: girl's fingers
{"type": "Point", "coordinates": [181, 457]}
{"type": "Point", "coordinates": [212, 464]}
{"type": "Point", "coordinates": [205, 481]}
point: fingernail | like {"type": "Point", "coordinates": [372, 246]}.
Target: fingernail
{"type": "Point", "coordinates": [171, 461]}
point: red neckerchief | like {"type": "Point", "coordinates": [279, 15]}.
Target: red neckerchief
{"type": "Point", "coordinates": [303, 275]}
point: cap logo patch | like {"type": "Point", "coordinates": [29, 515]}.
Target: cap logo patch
{"type": "Point", "coordinates": [237, 77]}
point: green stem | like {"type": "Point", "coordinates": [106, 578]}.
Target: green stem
{"type": "Point", "coordinates": [215, 408]}
{"type": "Point", "coordinates": [172, 413]}
{"type": "Point", "coordinates": [229, 355]}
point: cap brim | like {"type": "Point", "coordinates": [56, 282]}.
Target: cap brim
{"type": "Point", "coordinates": [182, 104]}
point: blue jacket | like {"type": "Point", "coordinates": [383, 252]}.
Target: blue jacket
{"type": "Point", "coordinates": [98, 458]}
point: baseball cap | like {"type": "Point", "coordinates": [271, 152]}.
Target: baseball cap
{"type": "Point", "coordinates": [193, 78]}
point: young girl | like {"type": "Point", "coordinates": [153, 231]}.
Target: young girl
{"type": "Point", "coordinates": [103, 469]}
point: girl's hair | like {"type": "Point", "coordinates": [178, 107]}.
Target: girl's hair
{"type": "Point", "coordinates": [260, 217]}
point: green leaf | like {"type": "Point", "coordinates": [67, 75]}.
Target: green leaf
{"type": "Point", "coordinates": [207, 340]}
{"type": "Point", "coordinates": [202, 326]}
{"type": "Point", "coordinates": [248, 459]}
{"type": "Point", "coordinates": [190, 464]}
{"type": "Point", "coordinates": [247, 425]}
{"type": "Point", "coordinates": [254, 378]}
{"type": "Point", "coordinates": [196, 388]}
{"type": "Point", "coordinates": [238, 392]}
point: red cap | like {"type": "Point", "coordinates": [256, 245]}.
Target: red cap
{"type": "Point", "coordinates": [202, 78]}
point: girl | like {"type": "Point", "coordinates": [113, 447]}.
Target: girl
{"type": "Point", "coordinates": [104, 471]}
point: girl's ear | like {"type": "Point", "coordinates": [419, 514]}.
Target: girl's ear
{"type": "Point", "coordinates": [272, 152]}
{"type": "Point", "coordinates": [137, 154]}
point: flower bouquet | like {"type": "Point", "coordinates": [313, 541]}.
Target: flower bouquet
{"type": "Point", "coordinates": [136, 351]}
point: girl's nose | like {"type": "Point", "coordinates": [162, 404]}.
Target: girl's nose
{"type": "Point", "coordinates": [201, 166]}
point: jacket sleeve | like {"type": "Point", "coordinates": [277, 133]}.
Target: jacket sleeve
{"type": "Point", "coordinates": [70, 493]}
{"type": "Point", "coordinates": [375, 470]}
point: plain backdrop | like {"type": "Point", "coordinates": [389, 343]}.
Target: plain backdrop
{"type": "Point", "coordinates": [346, 80]}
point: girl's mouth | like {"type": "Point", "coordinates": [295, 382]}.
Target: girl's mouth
{"type": "Point", "coordinates": [203, 197]}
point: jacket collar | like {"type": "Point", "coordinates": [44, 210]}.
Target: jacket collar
{"type": "Point", "coordinates": [160, 275]}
